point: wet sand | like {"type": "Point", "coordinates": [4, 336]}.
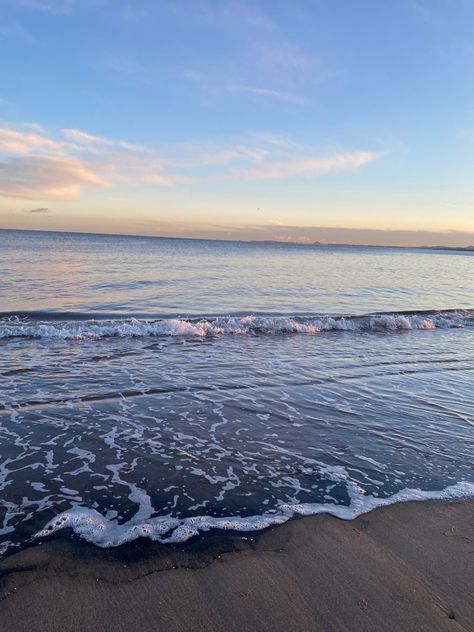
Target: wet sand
{"type": "Point", "coordinates": [406, 567]}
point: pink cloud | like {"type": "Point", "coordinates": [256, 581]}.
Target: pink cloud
{"type": "Point", "coordinates": [27, 140]}
{"type": "Point", "coordinates": [38, 166]}
{"type": "Point", "coordinates": [37, 177]}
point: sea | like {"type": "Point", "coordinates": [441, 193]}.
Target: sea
{"type": "Point", "coordinates": [166, 388]}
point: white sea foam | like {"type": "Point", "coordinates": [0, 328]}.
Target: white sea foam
{"type": "Point", "coordinates": [247, 325]}
{"type": "Point", "coordinates": [93, 527]}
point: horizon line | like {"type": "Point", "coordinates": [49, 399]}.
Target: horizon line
{"type": "Point", "coordinates": [467, 247]}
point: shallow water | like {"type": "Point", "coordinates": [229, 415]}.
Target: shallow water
{"type": "Point", "coordinates": [163, 426]}
{"type": "Point", "coordinates": [101, 274]}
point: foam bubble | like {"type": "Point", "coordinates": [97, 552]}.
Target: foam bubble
{"type": "Point", "coordinates": [91, 526]}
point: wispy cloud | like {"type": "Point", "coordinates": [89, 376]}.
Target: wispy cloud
{"type": "Point", "coordinates": [163, 178]}
{"type": "Point", "coordinates": [214, 154]}
{"type": "Point", "coordinates": [274, 222]}
{"type": "Point", "coordinates": [42, 210]}
{"type": "Point", "coordinates": [236, 13]}
{"type": "Point", "coordinates": [89, 141]}
{"type": "Point", "coordinates": [425, 11]}
{"type": "Point", "coordinates": [260, 92]}
{"type": "Point", "coordinates": [13, 29]}
{"type": "Point", "coordinates": [39, 165]}
{"type": "Point", "coordinates": [257, 57]}
{"type": "Point", "coordinates": [282, 57]}
{"type": "Point", "coordinates": [132, 14]}
{"type": "Point", "coordinates": [49, 6]}
{"type": "Point", "coordinates": [78, 136]}
{"type": "Point", "coordinates": [265, 156]}
{"type": "Point", "coordinates": [268, 93]}
{"type": "Point", "coordinates": [4, 103]}
{"type": "Point", "coordinates": [279, 165]}
{"type": "Point", "coordinates": [27, 139]}
{"type": "Point", "coordinates": [306, 166]}
{"type": "Point", "coordinates": [126, 66]}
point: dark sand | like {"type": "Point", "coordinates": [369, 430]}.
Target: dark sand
{"type": "Point", "coordinates": [408, 567]}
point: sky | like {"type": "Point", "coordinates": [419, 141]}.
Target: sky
{"type": "Point", "coordinates": [298, 120]}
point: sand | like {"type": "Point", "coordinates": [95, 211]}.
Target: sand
{"type": "Point", "coordinates": [408, 567]}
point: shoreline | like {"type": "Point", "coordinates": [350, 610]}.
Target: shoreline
{"type": "Point", "coordinates": [408, 566]}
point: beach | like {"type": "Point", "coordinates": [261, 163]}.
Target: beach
{"type": "Point", "coordinates": [285, 445]}
{"type": "Point", "coordinates": [407, 567]}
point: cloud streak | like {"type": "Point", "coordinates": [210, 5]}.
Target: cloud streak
{"type": "Point", "coordinates": [261, 92]}
{"type": "Point", "coordinates": [39, 165]}
{"type": "Point", "coordinates": [28, 139]}
{"type": "Point", "coordinates": [83, 138]}
{"type": "Point", "coordinates": [306, 166]}
{"type": "Point", "coordinates": [267, 93]}
{"type": "Point", "coordinates": [126, 66]}
{"type": "Point", "coordinates": [58, 7]}
{"type": "Point", "coordinates": [37, 211]}
{"type": "Point", "coordinates": [257, 58]}
{"type": "Point", "coordinates": [231, 13]}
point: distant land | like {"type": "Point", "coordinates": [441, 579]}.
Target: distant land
{"type": "Point", "coordinates": [338, 245]}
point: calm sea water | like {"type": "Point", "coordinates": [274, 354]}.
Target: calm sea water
{"type": "Point", "coordinates": [160, 388]}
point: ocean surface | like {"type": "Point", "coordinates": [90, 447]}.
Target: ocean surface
{"type": "Point", "coordinates": [161, 388]}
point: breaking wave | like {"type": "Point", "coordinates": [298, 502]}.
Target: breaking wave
{"type": "Point", "coordinates": [93, 527]}
{"type": "Point", "coordinates": [18, 326]}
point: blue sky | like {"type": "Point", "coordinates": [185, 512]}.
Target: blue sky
{"type": "Point", "coordinates": [228, 118]}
